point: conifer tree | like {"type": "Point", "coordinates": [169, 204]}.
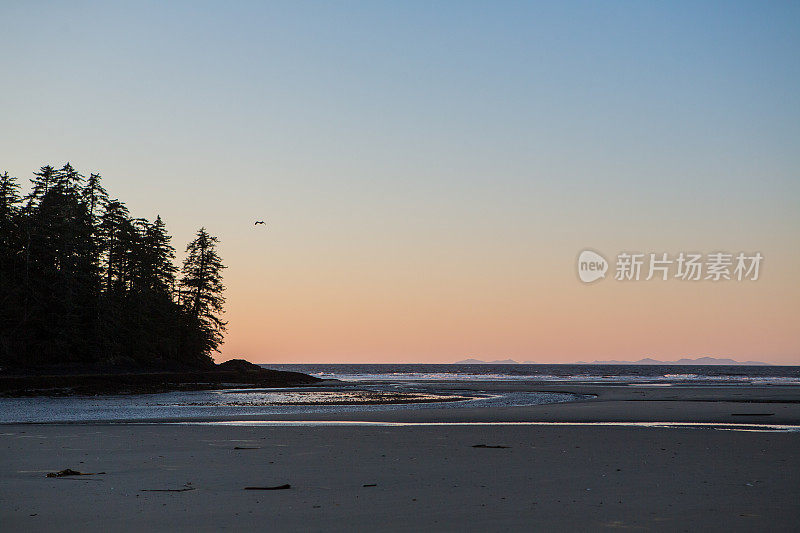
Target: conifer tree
{"type": "Point", "coordinates": [10, 262]}
{"type": "Point", "coordinates": [67, 179]}
{"type": "Point", "coordinates": [160, 257]}
{"type": "Point", "coordinates": [112, 221]}
{"type": "Point", "coordinates": [9, 198]}
{"type": "Point", "coordinates": [84, 284]}
{"type": "Point", "coordinates": [94, 195]}
{"type": "Point", "coordinates": [42, 182]}
{"type": "Point", "coordinates": [202, 289]}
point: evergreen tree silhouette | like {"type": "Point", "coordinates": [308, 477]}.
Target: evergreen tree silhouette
{"type": "Point", "coordinates": [202, 288]}
{"type": "Point", "coordinates": [85, 285]}
{"type": "Point", "coordinates": [94, 195]}
{"type": "Point", "coordinates": [10, 262]}
{"type": "Point", "coordinates": [41, 183]}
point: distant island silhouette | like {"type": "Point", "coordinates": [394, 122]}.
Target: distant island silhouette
{"type": "Point", "coordinates": [496, 362]}
{"type": "Point", "coordinates": [645, 361]}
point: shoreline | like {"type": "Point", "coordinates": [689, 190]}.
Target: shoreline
{"type": "Point", "coordinates": [232, 374]}
{"type": "Point", "coordinates": [739, 404]}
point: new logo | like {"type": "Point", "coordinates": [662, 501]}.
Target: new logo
{"type": "Point", "coordinates": [591, 266]}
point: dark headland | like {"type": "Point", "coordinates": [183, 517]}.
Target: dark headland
{"type": "Point", "coordinates": [235, 373]}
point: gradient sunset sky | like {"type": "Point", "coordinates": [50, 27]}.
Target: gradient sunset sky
{"type": "Point", "coordinates": [429, 171]}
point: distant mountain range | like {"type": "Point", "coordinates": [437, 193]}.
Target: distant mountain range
{"type": "Point", "coordinates": [645, 361]}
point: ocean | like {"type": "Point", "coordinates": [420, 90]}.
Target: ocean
{"type": "Point", "coordinates": [656, 374]}
{"type": "Point", "coordinates": [378, 387]}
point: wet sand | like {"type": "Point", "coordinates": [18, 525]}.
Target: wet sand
{"type": "Point", "coordinates": [577, 478]}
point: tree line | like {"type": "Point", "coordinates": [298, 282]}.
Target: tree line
{"type": "Point", "coordinates": [83, 284]}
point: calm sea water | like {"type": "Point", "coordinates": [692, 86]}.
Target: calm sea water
{"type": "Point", "coordinates": [370, 380]}
{"type": "Point", "coordinates": [696, 374]}
{"type": "Point", "coordinates": [240, 403]}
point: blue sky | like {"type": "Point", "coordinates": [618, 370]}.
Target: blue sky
{"type": "Point", "coordinates": [372, 131]}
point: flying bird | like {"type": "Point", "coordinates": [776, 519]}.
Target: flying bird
{"type": "Point", "coordinates": [259, 222]}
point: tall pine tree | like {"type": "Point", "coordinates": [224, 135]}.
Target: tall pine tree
{"type": "Point", "coordinates": [201, 294]}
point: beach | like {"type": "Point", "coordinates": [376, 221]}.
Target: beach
{"type": "Point", "coordinates": [412, 267]}
{"type": "Point", "coordinates": [427, 469]}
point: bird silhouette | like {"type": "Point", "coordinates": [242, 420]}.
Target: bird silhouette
{"type": "Point", "coordinates": [259, 222]}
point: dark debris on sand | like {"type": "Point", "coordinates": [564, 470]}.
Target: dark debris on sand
{"type": "Point", "coordinates": [70, 472]}
{"type": "Point", "coordinates": [276, 487]}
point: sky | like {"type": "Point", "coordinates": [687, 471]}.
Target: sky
{"type": "Point", "coordinates": [430, 171]}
